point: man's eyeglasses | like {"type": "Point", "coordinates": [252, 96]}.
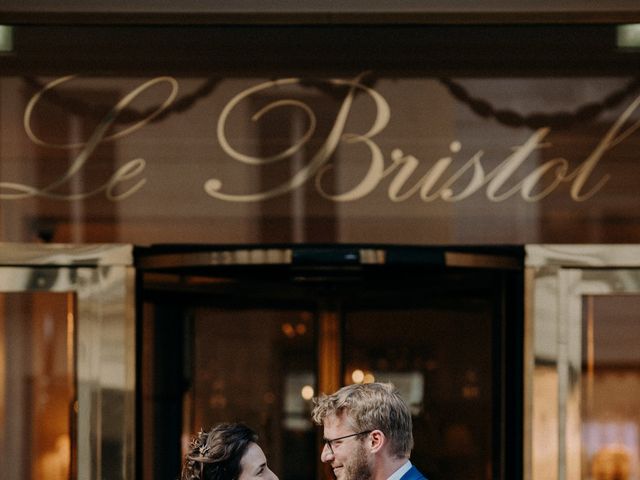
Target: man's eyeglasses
{"type": "Point", "coordinates": [329, 442]}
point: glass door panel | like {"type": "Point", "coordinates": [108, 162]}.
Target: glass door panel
{"type": "Point", "coordinates": [246, 364]}
{"type": "Point", "coordinates": [440, 360]}
{"type": "Point", "coordinates": [37, 386]}
{"type": "Point", "coordinates": [610, 387]}
{"type": "Point", "coordinates": [583, 362]}
{"type": "Point", "coordinates": [67, 362]}
{"type": "Point", "coordinates": [258, 366]}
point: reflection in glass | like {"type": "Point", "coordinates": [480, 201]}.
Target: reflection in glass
{"type": "Point", "coordinates": [439, 360]}
{"type": "Point", "coordinates": [252, 366]}
{"type": "Point", "coordinates": [37, 386]}
{"type": "Point", "coordinates": [610, 388]}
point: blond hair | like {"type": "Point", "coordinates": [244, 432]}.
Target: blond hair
{"type": "Point", "coordinates": [370, 406]}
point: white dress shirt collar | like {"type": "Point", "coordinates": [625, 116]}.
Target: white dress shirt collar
{"type": "Point", "coordinates": [397, 475]}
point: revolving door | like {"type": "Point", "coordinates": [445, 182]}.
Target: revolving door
{"type": "Point", "coordinates": [253, 334]}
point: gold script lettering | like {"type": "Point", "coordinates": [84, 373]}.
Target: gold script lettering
{"type": "Point", "coordinates": [608, 141]}
{"type": "Point", "coordinates": [13, 190]}
{"type": "Point", "coordinates": [318, 165]}
{"type": "Point", "coordinates": [442, 181]}
{"type": "Point", "coordinates": [455, 186]}
{"type": "Point", "coordinates": [408, 165]}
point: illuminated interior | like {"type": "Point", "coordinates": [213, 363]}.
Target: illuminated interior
{"type": "Point", "coordinates": [611, 388]}
{"type": "Point", "coordinates": [37, 385]}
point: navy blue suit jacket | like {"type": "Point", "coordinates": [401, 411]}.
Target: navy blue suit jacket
{"type": "Point", "coordinates": [413, 474]}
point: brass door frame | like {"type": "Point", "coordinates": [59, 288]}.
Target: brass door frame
{"type": "Point", "coordinates": [557, 277]}
{"type": "Point", "coordinates": [101, 278]}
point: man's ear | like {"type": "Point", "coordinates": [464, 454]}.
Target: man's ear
{"type": "Point", "coordinates": [377, 440]}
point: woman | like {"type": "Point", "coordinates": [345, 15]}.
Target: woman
{"type": "Point", "coordinates": [226, 452]}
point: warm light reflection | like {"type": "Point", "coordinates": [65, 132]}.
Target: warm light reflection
{"type": "Point", "coordinates": [307, 392]}
{"type": "Point", "coordinates": [36, 331]}
{"type": "Point", "coordinates": [608, 435]}
{"type": "Point", "coordinates": [612, 448]}
{"type": "Point", "coordinates": [288, 330]}
{"type": "Point", "coordinates": [70, 338]}
{"type": "Point", "coordinates": [612, 463]}
{"type": "Point", "coordinates": [362, 376]}
{"type": "Point", "coordinates": [54, 464]}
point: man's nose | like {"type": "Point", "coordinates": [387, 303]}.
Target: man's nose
{"type": "Point", "coordinates": [326, 454]}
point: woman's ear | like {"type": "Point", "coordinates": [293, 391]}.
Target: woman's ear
{"type": "Point", "coordinates": [377, 440]}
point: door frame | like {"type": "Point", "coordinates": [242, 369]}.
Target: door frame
{"type": "Point", "coordinates": [556, 279]}
{"type": "Point", "coordinates": [102, 318]}
{"type": "Point", "coordinates": [164, 265]}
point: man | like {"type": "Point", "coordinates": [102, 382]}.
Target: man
{"type": "Point", "coordinates": [367, 433]}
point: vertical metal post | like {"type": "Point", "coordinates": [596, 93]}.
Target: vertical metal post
{"type": "Point", "coordinates": [329, 361]}
{"type": "Point", "coordinates": [329, 350]}
{"type": "Point", "coordinates": [528, 371]}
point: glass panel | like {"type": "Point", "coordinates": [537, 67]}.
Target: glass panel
{"type": "Point", "coordinates": [322, 139]}
{"type": "Point", "coordinates": [252, 366]}
{"type": "Point", "coordinates": [440, 358]}
{"type": "Point", "coordinates": [37, 386]}
{"type": "Point", "coordinates": [610, 387]}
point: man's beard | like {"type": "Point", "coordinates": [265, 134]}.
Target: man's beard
{"type": "Point", "coordinates": [358, 467]}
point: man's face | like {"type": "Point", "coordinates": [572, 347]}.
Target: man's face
{"type": "Point", "coordinates": [349, 458]}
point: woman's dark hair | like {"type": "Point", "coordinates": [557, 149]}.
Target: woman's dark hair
{"type": "Point", "coordinates": [216, 454]}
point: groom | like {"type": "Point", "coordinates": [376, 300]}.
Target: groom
{"type": "Point", "coordinates": [367, 433]}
